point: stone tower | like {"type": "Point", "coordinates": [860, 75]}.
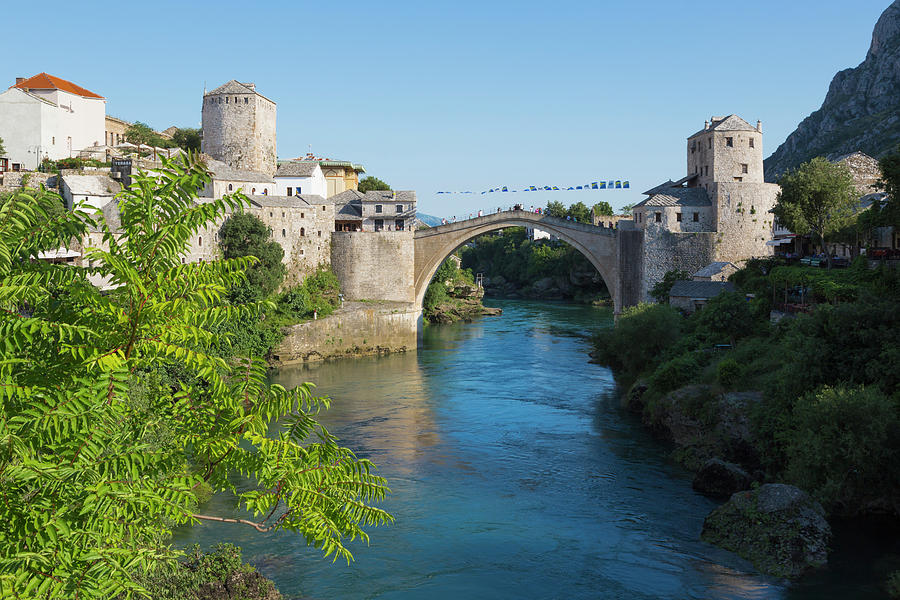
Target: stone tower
{"type": "Point", "coordinates": [726, 159]}
{"type": "Point", "coordinates": [239, 127]}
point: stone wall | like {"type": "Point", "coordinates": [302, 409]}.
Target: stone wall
{"type": "Point", "coordinates": [303, 232]}
{"type": "Point", "coordinates": [631, 264]}
{"type": "Point", "coordinates": [666, 251]}
{"type": "Point", "coordinates": [240, 134]}
{"type": "Point", "coordinates": [354, 330]}
{"type": "Point", "coordinates": [745, 223]}
{"type": "Point", "coordinates": [12, 180]}
{"type": "Point", "coordinates": [374, 265]}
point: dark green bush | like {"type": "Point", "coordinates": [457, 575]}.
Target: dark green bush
{"type": "Point", "coordinates": [676, 373]}
{"type": "Point", "coordinates": [637, 342]}
{"type": "Point", "coordinates": [844, 446]}
{"type": "Point", "coordinates": [728, 372]}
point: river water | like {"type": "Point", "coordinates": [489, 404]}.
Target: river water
{"type": "Point", "coordinates": [515, 474]}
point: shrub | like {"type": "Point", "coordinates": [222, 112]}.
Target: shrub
{"type": "Point", "coordinates": [728, 372]}
{"type": "Point", "coordinates": [844, 446]}
{"type": "Point", "coordinates": [639, 338]}
{"type": "Point", "coordinates": [676, 373]}
{"type": "Point", "coordinates": [893, 585]}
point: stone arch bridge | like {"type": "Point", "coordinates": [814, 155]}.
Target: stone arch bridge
{"type": "Point", "coordinates": [601, 246]}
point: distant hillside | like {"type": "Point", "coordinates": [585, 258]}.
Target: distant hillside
{"type": "Point", "coordinates": [861, 110]}
{"type": "Point", "coordinates": [429, 220]}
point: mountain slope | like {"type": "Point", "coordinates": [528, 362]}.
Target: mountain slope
{"type": "Point", "coordinates": [861, 110]}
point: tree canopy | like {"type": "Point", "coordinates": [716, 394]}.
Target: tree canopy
{"type": "Point", "coordinates": [188, 139]}
{"type": "Point", "coordinates": [371, 184]}
{"type": "Point", "coordinates": [2, 148]}
{"type": "Point", "coordinates": [603, 209]}
{"type": "Point", "coordinates": [115, 406]}
{"type": "Point", "coordinates": [816, 198]}
{"type": "Point", "coordinates": [577, 212]}
{"type": "Point", "coordinates": [244, 234]}
{"type": "Point", "coordinates": [890, 183]}
{"type": "Point", "coordinates": [143, 134]}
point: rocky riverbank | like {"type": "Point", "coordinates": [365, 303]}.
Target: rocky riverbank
{"type": "Point", "coordinates": [463, 303]}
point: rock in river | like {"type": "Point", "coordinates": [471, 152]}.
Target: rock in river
{"type": "Point", "coordinates": [719, 478]}
{"type": "Point", "coordinates": [777, 527]}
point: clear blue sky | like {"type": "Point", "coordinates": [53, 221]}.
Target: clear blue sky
{"type": "Point", "coordinates": [461, 95]}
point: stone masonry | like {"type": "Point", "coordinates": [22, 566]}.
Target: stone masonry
{"type": "Point", "coordinates": [239, 127]}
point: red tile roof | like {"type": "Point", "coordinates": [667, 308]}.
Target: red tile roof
{"type": "Point", "coordinates": [43, 81]}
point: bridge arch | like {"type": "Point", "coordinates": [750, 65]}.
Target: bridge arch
{"type": "Point", "coordinates": [597, 244]}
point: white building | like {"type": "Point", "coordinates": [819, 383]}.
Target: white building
{"type": "Point", "coordinates": [48, 117]}
{"type": "Point", "coordinates": [298, 177]}
{"type": "Point", "coordinates": [227, 180]}
{"type": "Point", "coordinates": [94, 190]}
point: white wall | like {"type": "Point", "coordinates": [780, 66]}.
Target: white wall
{"type": "Point", "coordinates": [308, 185]}
{"type": "Point", "coordinates": [26, 123]}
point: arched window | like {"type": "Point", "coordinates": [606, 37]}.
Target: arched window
{"type": "Point", "coordinates": [265, 191]}
{"type": "Point", "coordinates": [246, 100]}
{"type": "Point", "coordinates": [283, 233]}
{"type": "Point", "coordinates": [230, 187]}
{"type": "Point", "coordinates": [253, 191]}
{"type": "Point", "coordinates": [302, 232]}
{"type": "Point", "coordinates": [200, 241]}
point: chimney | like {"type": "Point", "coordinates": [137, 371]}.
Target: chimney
{"type": "Point", "coordinates": [705, 124]}
{"type": "Point", "coordinates": [19, 80]}
{"type": "Point", "coordinates": [759, 126]}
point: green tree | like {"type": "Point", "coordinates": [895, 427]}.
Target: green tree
{"type": "Point", "coordinates": [603, 209]}
{"type": "Point", "coordinates": [889, 211]}
{"type": "Point", "coordinates": [556, 209]}
{"type": "Point", "coordinates": [660, 291]}
{"type": "Point", "coordinates": [245, 235]}
{"type": "Point", "coordinates": [92, 481]}
{"type": "Point", "coordinates": [144, 135]}
{"type": "Point", "coordinates": [2, 148]}
{"type": "Point", "coordinates": [580, 212]}
{"type": "Point", "coordinates": [816, 198]}
{"type": "Point", "coordinates": [371, 184]}
{"type": "Point", "coordinates": [187, 139]}
{"type": "Point", "coordinates": [626, 210]}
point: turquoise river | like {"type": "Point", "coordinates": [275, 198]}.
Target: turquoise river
{"type": "Point", "coordinates": [515, 474]}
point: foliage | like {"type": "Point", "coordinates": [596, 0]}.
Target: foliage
{"type": "Point", "coordinates": [660, 290]}
{"type": "Point", "coordinates": [371, 184]}
{"type": "Point", "coordinates": [725, 318]}
{"type": "Point", "coordinates": [556, 209]}
{"type": "Point", "coordinates": [677, 372]}
{"type": "Point", "coordinates": [144, 135]}
{"type": "Point", "coordinates": [893, 585]}
{"type": "Point", "coordinates": [816, 198]}
{"type": "Point", "coordinates": [188, 139]}
{"type": "Point", "coordinates": [2, 149]}
{"type": "Point", "coordinates": [183, 580]}
{"type": "Point", "coordinates": [90, 494]}
{"type": "Point", "coordinates": [603, 209]}
{"type": "Point", "coordinates": [626, 210]}
{"type": "Point", "coordinates": [580, 212]}
{"type": "Point", "coordinates": [889, 212]}
{"type": "Point", "coordinates": [728, 372]}
{"type": "Point", "coordinates": [244, 234]}
{"type": "Point", "coordinates": [657, 326]}
{"type": "Point", "coordinates": [843, 445]}
{"type": "Point", "coordinates": [522, 262]}
{"type": "Point", "coordinates": [317, 294]}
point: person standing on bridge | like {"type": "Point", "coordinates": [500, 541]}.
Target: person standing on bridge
{"type": "Point", "coordinates": [480, 213]}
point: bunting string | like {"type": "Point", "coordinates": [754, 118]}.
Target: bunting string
{"type": "Point", "coordinates": [616, 184]}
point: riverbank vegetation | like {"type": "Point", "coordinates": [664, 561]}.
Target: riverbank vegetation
{"type": "Point", "coordinates": [517, 267]}
{"type": "Point", "coordinates": [117, 406]}
{"type": "Point", "coordinates": [453, 296]}
{"type": "Point", "coordinates": [826, 414]}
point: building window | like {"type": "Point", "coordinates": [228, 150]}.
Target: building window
{"type": "Point", "coordinates": [399, 208]}
{"type": "Point", "coordinates": [200, 241]}
{"type": "Point", "coordinates": [744, 167]}
{"type": "Point", "coordinates": [236, 99]}
{"type": "Point", "coordinates": [283, 233]}
{"type": "Point", "coordinates": [302, 232]}
{"type": "Point", "coordinates": [265, 191]}
{"type": "Point", "coordinates": [398, 224]}
{"type": "Point", "coordinates": [729, 141]}
{"type": "Point", "coordinates": [323, 208]}
{"type": "Point", "coordinates": [738, 179]}
{"type": "Point", "coordinates": [289, 191]}
{"type": "Point", "coordinates": [752, 142]}
{"type": "Point", "coordinates": [54, 140]}
{"type": "Point", "coordinates": [246, 100]}
{"type": "Point", "coordinates": [226, 99]}
{"type": "Point", "coordinates": [696, 217]}
{"type": "Point", "coordinates": [707, 170]}
{"type": "Point", "coordinates": [678, 217]}
{"type": "Point", "coordinates": [302, 216]}
{"type": "Point", "coordinates": [320, 233]}
{"type": "Point", "coordinates": [379, 224]}
{"type": "Point", "coordinates": [298, 190]}
{"type": "Point", "coordinates": [377, 208]}
{"type": "Point", "coordinates": [282, 214]}
{"type": "Point", "coordinates": [710, 142]}
{"type": "Point", "coordinates": [253, 191]}
{"type": "Point", "coordinates": [301, 251]}
{"type": "Point", "coordinates": [230, 187]}
{"type": "Point", "coordinates": [658, 217]}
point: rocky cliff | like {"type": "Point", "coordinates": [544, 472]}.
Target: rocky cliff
{"type": "Point", "coordinates": [861, 110]}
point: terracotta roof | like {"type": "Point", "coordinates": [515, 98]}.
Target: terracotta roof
{"type": "Point", "coordinates": [43, 81]}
